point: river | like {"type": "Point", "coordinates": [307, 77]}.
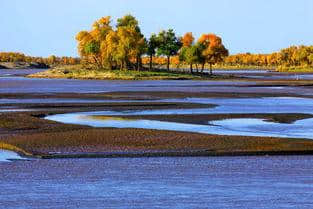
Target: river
{"type": "Point", "coordinates": [224, 182]}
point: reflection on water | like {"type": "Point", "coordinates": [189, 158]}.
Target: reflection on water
{"type": "Point", "coordinates": [6, 156]}
{"type": "Point", "coordinates": [170, 183]}
{"type": "Point", "coordinates": [236, 127]}
{"type": "Point", "coordinates": [261, 127]}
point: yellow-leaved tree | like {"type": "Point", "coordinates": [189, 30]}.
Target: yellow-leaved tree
{"type": "Point", "coordinates": [110, 48]}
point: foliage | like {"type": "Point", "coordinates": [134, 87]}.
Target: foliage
{"type": "Point", "coordinates": [111, 48]}
{"type": "Point", "coordinates": [51, 60]}
{"type": "Point", "coordinates": [292, 57]}
{"type": "Point", "coordinates": [152, 45]}
{"type": "Point", "coordinates": [169, 44]}
{"type": "Point", "coordinates": [187, 39]}
{"type": "Point", "coordinates": [209, 49]}
{"type": "Point", "coordinates": [214, 51]}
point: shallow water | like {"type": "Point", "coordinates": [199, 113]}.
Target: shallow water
{"type": "Point", "coordinates": [235, 127]}
{"type": "Point", "coordinates": [19, 72]}
{"type": "Point", "coordinates": [39, 85]}
{"type": "Point", "coordinates": [226, 182]}
{"type": "Point", "coordinates": [239, 127]}
{"type": "Point", "coordinates": [11, 81]}
{"type": "Point", "coordinates": [261, 127]}
{"type": "Point", "coordinates": [7, 156]}
{"type": "Point", "coordinates": [63, 100]}
{"type": "Point", "coordinates": [225, 106]}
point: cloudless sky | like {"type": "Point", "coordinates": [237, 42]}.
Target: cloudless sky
{"type": "Point", "coordinates": [45, 27]}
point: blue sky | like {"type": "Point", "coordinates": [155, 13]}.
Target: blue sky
{"type": "Point", "coordinates": [45, 27]}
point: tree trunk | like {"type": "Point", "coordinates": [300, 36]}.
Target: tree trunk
{"type": "Point", "coordinates": [140, 63]}
{"type": "Point", "coordinates": [191, 70]}
{"type": "Point", "coordinates": [122, 65]}
{"type": "Point", "coordinates": [211, 71]}
{"type": "Point", "coordinates": [168, 63]}
{"type": "Point", "coordinates": [97, 62]}
{"type": "Point", "coordinates": [137, 63]}
{"type": "Point", "coordinates": [202, 67]}
{"type": "Point", "coordinates": [127, 65]}
{"type": "Point", "coordinates": [197, 68]}
{"type": "Point", "coordinates": [151, 57]}
{"type": "Point", "coordinates": [110, 65]}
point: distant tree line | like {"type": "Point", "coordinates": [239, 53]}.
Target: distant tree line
{"type": "Point", "coordinates": [125, 47]}
{"type": "Point", "coordinates": [294, 56]}
{"type": "Point", "coordinates": [51, 60]}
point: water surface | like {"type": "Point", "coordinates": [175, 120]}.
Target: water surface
{"type": "Point", "coordinates": [7, 156]}
{"type": "Point", "coordinates": [226, 182]}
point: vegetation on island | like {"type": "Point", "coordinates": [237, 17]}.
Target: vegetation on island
{"type": "Point", "coordinates": [89, 72]}
{"type": "Point", "coordinates": [123, 47]}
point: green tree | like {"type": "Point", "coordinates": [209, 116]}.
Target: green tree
{"type": "Point", "coordinates": [152, 45]}
{"type": "Point", "coordinates": [136, 39]}
{"type": "Point", "coordinates": [190, 55]}
{"type": "Point", "coordinates": [169, 44]}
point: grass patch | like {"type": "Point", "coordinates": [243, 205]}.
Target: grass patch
{"type": "Point", "coordinates": [81, 72]}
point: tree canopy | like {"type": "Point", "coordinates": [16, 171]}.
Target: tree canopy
{"type": "Point", "coordinates": [168, 44]}
{"type": "Point", "coordinates": [122, 46]}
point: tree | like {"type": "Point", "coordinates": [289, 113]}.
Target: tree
{"type": "Point", "coordinates": [52, 60]}
{"type": "Point", "coordinates": [128, 21]}
{"type": "Point", "coordinates": [92, 48]}
{"type": "Point", "coordinates": [214, 51]}
{"type": "Point", "coordinates": [169, 44]}
{"type": "Point", "coordinates": [187, 39]}
{"type": "Point", "coordinates": [108, 48]}
{"type": "Point", "coordinates": [310, 58]}
{"type": "Point", "coordinates": [153, 44]}
{"type": "Point", "coordinates": [189, 53]}
{"type": "Point", "coordinates": [136, 39]}
{"type": "Point", "coordinates": [89, 42]}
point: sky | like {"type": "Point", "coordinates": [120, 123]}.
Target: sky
{"type": "Point", "coordinates": [46, 27]}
